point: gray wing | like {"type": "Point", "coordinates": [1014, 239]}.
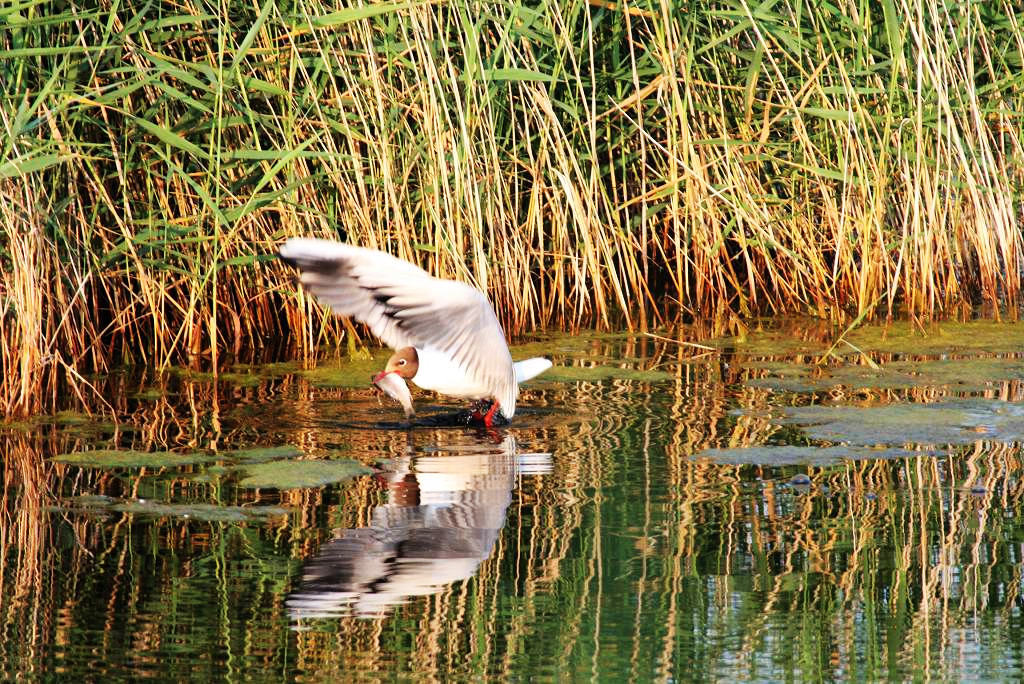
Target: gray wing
{"type": "Point", "coordinates": [405, 306]}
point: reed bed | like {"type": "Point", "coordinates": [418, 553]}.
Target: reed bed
{"type": "Point", "coordinates": [583, 162]}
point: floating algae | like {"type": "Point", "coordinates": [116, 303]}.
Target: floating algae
{"type": "Point", "coordinates": [581, 344]}
{"type": "Point", "coordinates": [191, 374]}
{"type": "Point", "coordinates": [260, 454]}
{"type": "Point", "coordinates": [66, 422]}
{"type": "Point", "coordinates": [205, 512]}
{"type": "Point", "coordinates": [990, 337]}
{"type": "Point", "coordinates": [299, 474]}
{"type": "Point", "coordinates": [963, 375]}
{"type": "Point", "coordinates": [71, 418]}
{"type": "Point", "coordinates": [118, 458]}
{"type": "Point", "coordinates": [987, 337]}
{"type": "Point", "coordinates": [89, 501]}
{"type": "Point", "coordinates": [346, 373]}
{"type": "Point", "coordinates": [802, 455]}
{"type": "Point", "coordinates": [241, 379]}
{"type": "Point", "coordinates": [274, 369]}
{"type": "Point", "coordinates": [19, 425]}
{"type": "Point", "coordinates": [242, 376]}
{"type": "Point", "coordinates": [94, 429]}
{"type": "Point", "coordinates": [782, 369]}
{"type": "Point", "coordinates": [962, 421]}
{"type": "Point", "coordinates": [768, 343]}
{"type": "Point", "coordinates": [599, 373]}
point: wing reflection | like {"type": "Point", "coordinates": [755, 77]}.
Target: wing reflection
{"type": "Point", "coordinates": [444, 513]}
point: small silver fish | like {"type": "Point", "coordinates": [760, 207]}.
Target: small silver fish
{"type": "Point", "coordinates": [393, 385]}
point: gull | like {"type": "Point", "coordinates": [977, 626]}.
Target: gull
{"type": "Point", "coordinates": [445, 334]}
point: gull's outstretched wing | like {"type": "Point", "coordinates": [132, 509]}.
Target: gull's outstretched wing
{"type": "Point", "coordinates": [405, 306]}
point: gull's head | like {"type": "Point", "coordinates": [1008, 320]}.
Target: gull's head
{"type": "Point", "coordinates": [402, 366]}
{"type": "Point", "coordinates": [405, 362]}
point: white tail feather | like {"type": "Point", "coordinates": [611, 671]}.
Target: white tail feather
{"type": "Point", "coordinates": [530, 368]}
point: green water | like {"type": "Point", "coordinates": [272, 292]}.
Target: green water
{"type": "Point", "coordinates": [655, 511]}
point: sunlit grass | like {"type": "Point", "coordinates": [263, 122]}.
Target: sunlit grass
{"type": "Point", "coordinates": [579, 161]}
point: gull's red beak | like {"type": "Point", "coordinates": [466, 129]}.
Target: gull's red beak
{"type": "Point", "coordinates": [377, 378]}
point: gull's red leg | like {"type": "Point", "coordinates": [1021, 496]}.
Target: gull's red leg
{"type": "Point", "coordinates": [489, 418]}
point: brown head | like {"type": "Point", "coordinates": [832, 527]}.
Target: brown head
{"type": "Point", "coordinates": [405, 362]}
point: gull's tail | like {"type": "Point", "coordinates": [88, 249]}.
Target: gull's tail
{"type": "Point", "coordinates": [530, 368]}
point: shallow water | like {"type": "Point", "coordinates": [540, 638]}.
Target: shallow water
{"type": "Point", "coordinates": [655, 511]}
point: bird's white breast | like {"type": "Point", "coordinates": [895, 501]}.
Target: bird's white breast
{"type": "Point", "coordinates": [438, 372]}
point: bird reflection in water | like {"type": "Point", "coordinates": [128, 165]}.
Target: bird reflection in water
{"type": "Point", "coordinates": [444, 513]}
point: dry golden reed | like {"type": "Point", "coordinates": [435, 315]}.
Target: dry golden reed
{"type": "Point", "coordinates": [584, 163]}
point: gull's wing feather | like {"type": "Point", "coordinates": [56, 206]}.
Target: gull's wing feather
{"type": "Point", "coordinates": [405, 306]}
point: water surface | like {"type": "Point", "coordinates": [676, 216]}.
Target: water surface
{"type": "Point", "coordinates": [774, 507]}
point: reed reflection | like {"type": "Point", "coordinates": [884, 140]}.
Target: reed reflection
{"type": "Point", "coordinates": [637, 558]}
{"type": "Point", "coordinates": [445, 509]}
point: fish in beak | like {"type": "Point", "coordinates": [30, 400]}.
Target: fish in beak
{"type": "Point", "coordinates": [393, 385]}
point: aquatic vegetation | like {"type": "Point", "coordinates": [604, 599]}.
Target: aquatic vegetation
{"type": "Point", "coordinates": [240, 379]}
{"type": "Point", "coordinates": [196, 511]}
{"type": "Point", "coordinates": [271, 370]}
{"type": "Point", "coordinates": [945, 337]}
{"type": "Point", "coordinates": [801, 337]}
{"type": "Point", "coordinates": [97, 504]}
{"type": "Point", "coordinates": [352, 374]}
{"type": "Point", "coordinates": [257, 454]}
{"type": "Point", "coordinates": [769, 343]}
{"type": "Point", "coordinates": [602, 372]}
{"type": "Point", "coordinates": [68, 422]}
{"type": "Point", "coordinates": [962, 375]}
{"type": "Point", "coordinates": [150, 394]}
{"type": "Point", "coordinates": [948, 422]}
{"type": "Point", "coordinates": [300, 474]}
{"type": "Point", "coordinates": [801, 455]}
{"type": "Point", "coordinates": [127, 458]}
{"type": "Point", "coordinates": [71, 418]}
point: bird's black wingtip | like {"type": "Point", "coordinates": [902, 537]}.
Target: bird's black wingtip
{"type": "Point", "coordinates": [291, 261]}
{"type": "Point", "coordinates": [308, 261]}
